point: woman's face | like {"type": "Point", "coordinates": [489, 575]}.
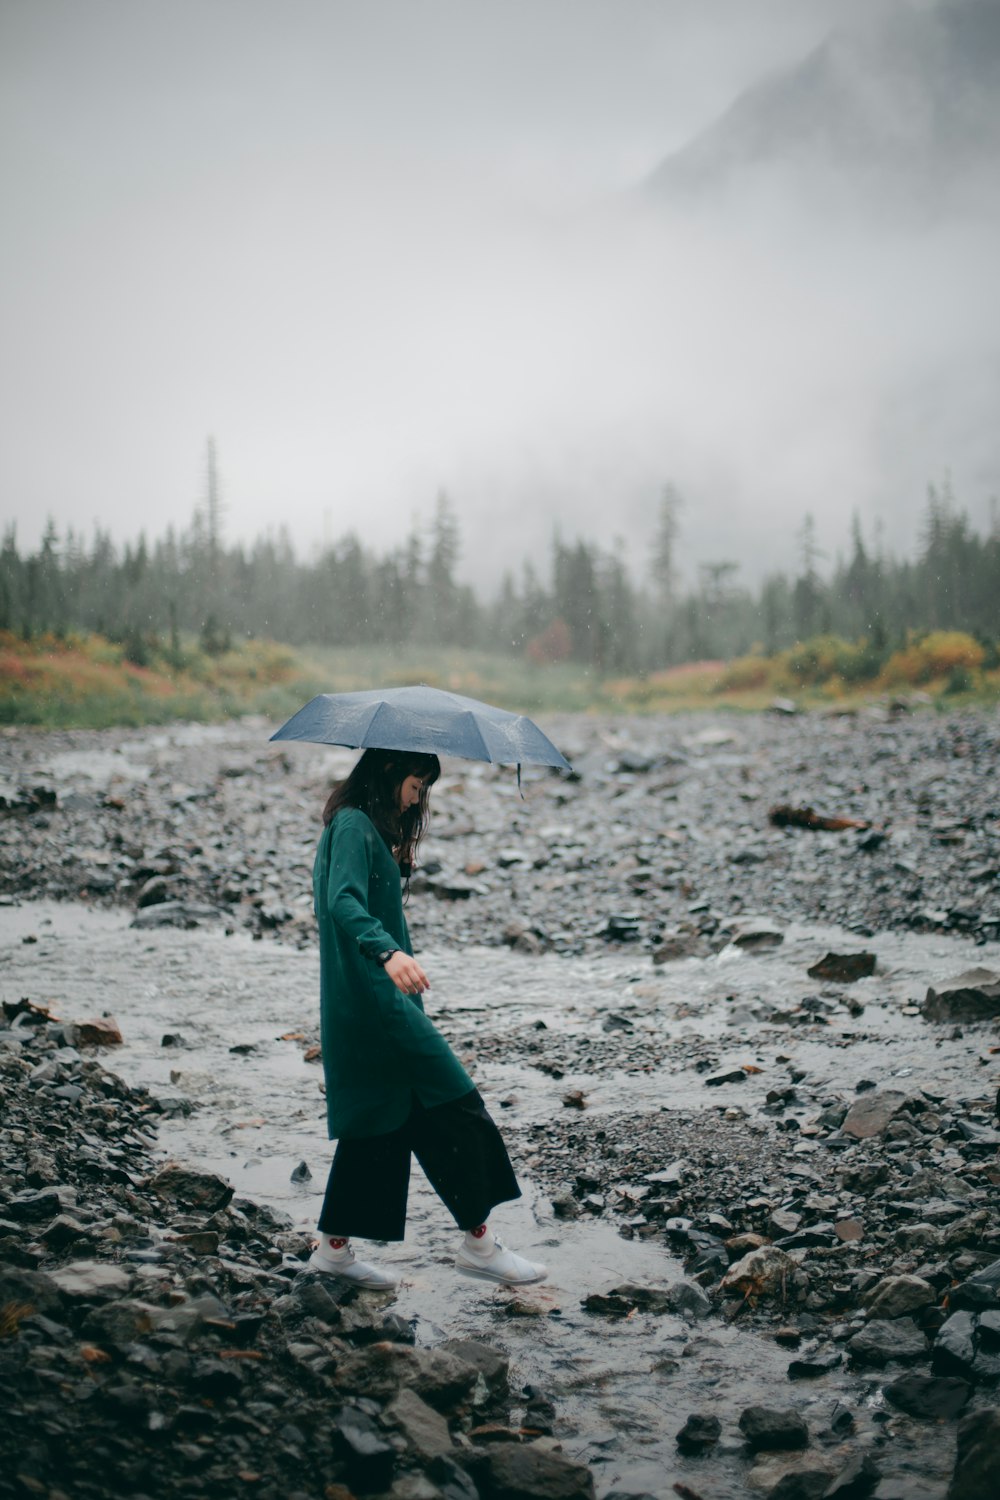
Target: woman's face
{"type": "Point", "coordinates": [409, 792]}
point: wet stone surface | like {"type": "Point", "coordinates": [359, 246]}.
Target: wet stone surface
{"type": "Point", "coordinates": [661, 833]}
{"type": "Point", "coordinates": [755, 1186]}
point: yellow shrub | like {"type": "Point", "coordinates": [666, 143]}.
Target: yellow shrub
{"type": "Point", "coordinates": [937, 655]}
{"type": "Point", "coordinates": [745, 674]}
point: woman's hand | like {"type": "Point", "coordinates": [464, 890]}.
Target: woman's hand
{"type": "Point", "coordinates": [406, 974]}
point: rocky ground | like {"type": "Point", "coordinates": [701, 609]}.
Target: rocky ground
{"type": "Point", "coordinates": [159, 1336]}
{"type": "Point", "coordinates": [665, 825]}
{"type": "Point", "coordinates": [857, 1226]}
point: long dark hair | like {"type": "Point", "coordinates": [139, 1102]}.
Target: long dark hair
{"type": "Point", "coordinates": [374, 786]}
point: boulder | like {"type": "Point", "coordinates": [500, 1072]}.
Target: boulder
{"type": "Point", "coordinates": [857, 1478]}
{"type": "Point", "coordinates": [654, 1299]}
{"type": "Point", "coordinates": [761, 1273]}
{"type": "Point", "coordinates": [801, 1484]}
{"type": "Point", "coordinates": [843, 968]}
{"type": "Point", "coordinates": [897, 1295]}
{"type": "Point", "coordinates": [882, 1342]}
{"type": "Point", "coordinates": [771, 1427]}
{"type": "Point", "coordinates": [530, 1472]}
{"type": "Point", "coordinates": [190, 1189]}
{"type": "Point", "coordinates": [425, 1430]}
{"type": "Point", "coordinates": [755, 935]}
{"type": "Point", "coordinates": [870, 1114]}
{"type": "Point", "coordinates": [977, 1463]}
{"type": "Point", "coordinates": [698, 1433]}
{"type": "Point", "coordinates": [91, 1280]}
{"type": "Point", "coordinates": [980, 1290]}
{"type": "Point", "coordinates": [492, 1364]}
{"type": "Point", "coordinates": [385, 1369]}
{"type": "Point", "coordinates": [819, 1362]}
{"type": "Point", "coordinates": [25, 1292]}
{"type": "Point", "coordinates": [971, 996]}
{"type": "Point", "coordinates": [688, 1299]}
{"type": "Point", "coordinates": [929, 1396]}
{"type": "Point", "coordinates": [954, 1351]}
{"type": "Point", "coordinates": [369, 1458]}
{"type": "Point", "coordinates": [100, 1031]}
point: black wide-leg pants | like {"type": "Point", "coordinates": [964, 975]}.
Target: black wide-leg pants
{"type": "Point", "coordinates": [460, 1150]}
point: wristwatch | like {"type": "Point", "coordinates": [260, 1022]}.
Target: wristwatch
{"type": "Point", "coordinates": [383, 958]}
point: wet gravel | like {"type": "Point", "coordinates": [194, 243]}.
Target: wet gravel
{"type": "Point", "coordinates": [662, 829]}
{"type": "Point", "coordinates": [803, 1117]}
{"type": "Point", "coordinates": [159, 1335]}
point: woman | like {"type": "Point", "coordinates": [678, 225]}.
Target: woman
{"type": "Point", "coordinates": [393, 1085]}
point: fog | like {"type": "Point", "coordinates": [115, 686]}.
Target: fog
{"type": "Point", "coordinates": [383, 250]}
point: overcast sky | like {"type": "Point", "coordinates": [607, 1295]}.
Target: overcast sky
{"type": "Point", "coordinates": [380, 249]}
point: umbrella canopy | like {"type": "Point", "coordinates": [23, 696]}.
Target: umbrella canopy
{"type": "Point", "coordinates": [422, 718]}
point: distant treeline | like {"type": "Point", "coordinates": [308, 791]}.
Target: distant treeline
{"type": "Point", "coordinates": [585, 607]}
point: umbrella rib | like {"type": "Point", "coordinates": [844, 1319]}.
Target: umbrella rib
{"type": "Point", "coordinates": [372, 717]}
{"type": "Point", "coordinates": [471, 718]}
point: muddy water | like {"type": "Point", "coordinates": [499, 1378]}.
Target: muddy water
{"type": "Point", "coordinates": [622, 1388]}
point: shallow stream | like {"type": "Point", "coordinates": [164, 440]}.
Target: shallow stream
{"type": "Point", "coordinates": [622, 1387]}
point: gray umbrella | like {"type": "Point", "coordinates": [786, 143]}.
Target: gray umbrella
{"type": "Point", "coordinates": [422, 718]}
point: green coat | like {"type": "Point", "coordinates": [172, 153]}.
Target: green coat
{"type": "Point", "coordinates": [379, 1049]}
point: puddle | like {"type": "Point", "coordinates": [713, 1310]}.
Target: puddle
{"type": "Point", "coordinates": [622, 1388]}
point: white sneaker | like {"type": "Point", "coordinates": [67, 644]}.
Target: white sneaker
{"type": "Point", "coordinates": [346, 1265]}
{"type": "Point", "coordinates": [499, 1264]}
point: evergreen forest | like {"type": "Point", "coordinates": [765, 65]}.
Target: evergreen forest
{"type": "Point", "coordinates": [585, 606]}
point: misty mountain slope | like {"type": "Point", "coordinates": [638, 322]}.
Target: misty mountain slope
{"type": "Point", "coordinates": [899, 116]}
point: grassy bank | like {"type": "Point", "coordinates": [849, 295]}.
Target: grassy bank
{"type": "Point", "coordinates": [89, 682]}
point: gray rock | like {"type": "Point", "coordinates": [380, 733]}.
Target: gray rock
{"type": "Point", "coordinates": [977, 1463]}
{"type": "Point", "coordinates": [858, 1477]}
{"type": "Point", "coordinates": [28, 1289]}
{"type": "Point", "coordinates": [698, 1433]}
{"type": "Point", "coordinates": [182, 1185]}
{"type": "Point", "coordinates": [529, 1472]}
{"type": "Point", "coordinates": [881, 1342]}
{"type": "Point", "coordinates": [771, 1427]}
{"type": "Point", "coordinates": [843, 968]}
{"type": "Point", "coordinates": [314, 1295]}
{"type": "Point", "coordinates": [452, 1481]}
{"type": "Point", "coordinates": [801, 1484]}
{"type": "Point", "coordinates": [654, 1299]}
{"type": "Point", "coordinates": [370, 1459]}
{"type": "Point", "coordinates": [185, 914]}
{"type": "Point", "coordinates": [898, 1295]}
{"type": "Point", "coordinates": [759, 1273]}
{"type": "Point", "coordinates": [677, 945]}
{"type": "Point", "coordinates": [120, 1322]}
{"type": "Point", "coordinates": [384, 1369]}
{"type": "Point", "coordinates": [972, 996]}
{"type": "Point", "coordinates": [755, 936]}
{"type": "Point", "coordinates": [671, 1176]}
{"type": "Point", "coordinates": [870, 1114]}
{"type": "Point", "coordinates": [91, 1279]}
{"type": "Point", "coordinates": [929, 1396]}
{"type": "Point", "coordinates": [63, 1230]}
{"type": "Point", "coordinates": [492, 1364]}
{"type": "Point", "coordinates": [688, 1299]}
{"type": "Point", "coordinates": [154, 892]}
{"type": "Point", "coordinates": [809, 1366]}
{"type": "Point", "coordinates": [954, 1351]}
{"type": "Point", "coordinates": [425, 1430]}
{"type": "Point", "coordinates": [35, 1206]}
{"type": "Point", "coordinates": [931, 1183]}
{"type": "Point", "coordinates": [982, 1289]}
